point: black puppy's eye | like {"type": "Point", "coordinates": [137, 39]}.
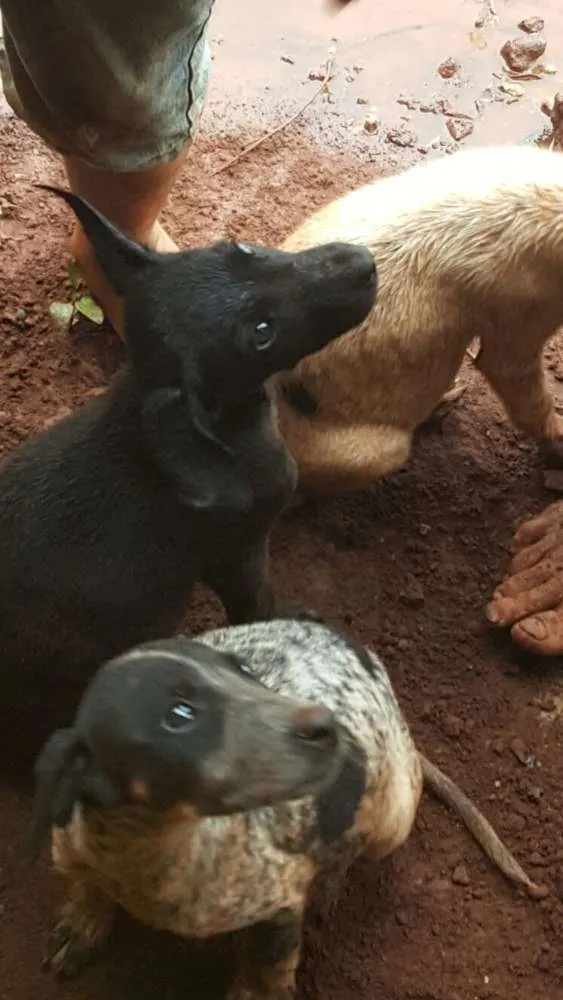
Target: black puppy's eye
{"type": "Point", "coordinates": [264, 336]}
{"type": "Point", "coordinates": [179, 716]}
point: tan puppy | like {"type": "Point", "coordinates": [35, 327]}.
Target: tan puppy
{"type": "Point", "coordinates": [466, 245]}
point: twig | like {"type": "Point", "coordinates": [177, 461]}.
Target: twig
{"type": "Point", "coordinates": [269, 135]}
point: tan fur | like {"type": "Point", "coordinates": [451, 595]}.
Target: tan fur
{"type": "Point", "coordinates": [468, 245]}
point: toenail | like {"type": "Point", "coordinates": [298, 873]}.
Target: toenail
{"type": "Point", "coordinates": [493, 615]}
{"type": "Point", "coordinates": [534, 627]}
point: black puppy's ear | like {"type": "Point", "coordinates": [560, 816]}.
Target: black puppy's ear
{"type": "Point", "coordinates": [202, 466]}
{"type": "Point", "coordinates": [119, 256]}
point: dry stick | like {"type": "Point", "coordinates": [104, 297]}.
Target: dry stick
{"type": "Point", "coordinates": [268, 135]}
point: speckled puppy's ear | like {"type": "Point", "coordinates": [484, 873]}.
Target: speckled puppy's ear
{"type": "Point", "coordinates": [59, 773]}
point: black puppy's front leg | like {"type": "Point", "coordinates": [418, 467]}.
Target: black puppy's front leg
{"type": "Point", "coordinates": [242, 581]}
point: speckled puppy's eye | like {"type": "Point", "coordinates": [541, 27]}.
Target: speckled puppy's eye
{"type": "Point", "coordinates": [179, 716]}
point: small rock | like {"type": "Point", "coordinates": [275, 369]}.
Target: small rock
{"type": "Point", "coordinates": [452, 726]}
{"type": "Point", "coordinates": [362, 100]}
{"type": "Point", "coordinates": [402, 137]}
{"type": "Point", "coordinates": [520, 53]}
{"type": "Point", "coordinates": [288, 59]}
{"type": "Point", "coordinates": [460, 875]}
{"type": "Point", "coordinates": [371, 123]}
{"type": "Point", "coordinates": [520, 751]}
{"type": "Point", "coordinates": [403, 645]}
{"type": "Point", "coordinates": [531, 25]}
{"type": "Point", "coordinates": [448, 68]}
{"type": "Point", "coordinates": [459, 128]}
{"type": "Point", "coordinates": [412, 103]}
{"type": "Point", "coordinates": [553, 480]}
{"type": "Point", "coordinates": [316, 74]}
{"type": "Point", "coordinates": [439, 106]}
{"type": "Point", "coordinates": [413, 595]}
{"type": "Point", "coordinates": [545, 69]}
{"type": "Point", "coordinates": [514, 90]}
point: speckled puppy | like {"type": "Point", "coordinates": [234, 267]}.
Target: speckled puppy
{"type": "Point", "coordinates": [204, 802]}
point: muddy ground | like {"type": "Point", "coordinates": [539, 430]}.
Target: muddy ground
{"type": "Point", "coordinates": [406, 566]}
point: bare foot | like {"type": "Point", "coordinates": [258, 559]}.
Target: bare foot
{"type": "Point", "coordinates": [98, 284]}
{"type": "Point", "coordinates": [530, 598]}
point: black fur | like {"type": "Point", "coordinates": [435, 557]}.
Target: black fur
{"type": "Point", "coordinates": [177, 473]}
{"type": "Point", "coordinates": [337, 805]}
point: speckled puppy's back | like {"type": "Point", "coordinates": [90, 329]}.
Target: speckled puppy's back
{"type": "Point", "coordinates": [309, 661]}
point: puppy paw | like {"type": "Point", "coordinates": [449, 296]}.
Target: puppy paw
{"type": "Point", "coordinates": [66, 954]}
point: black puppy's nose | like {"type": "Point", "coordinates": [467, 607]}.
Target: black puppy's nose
{"type": "Point", "coordinates": [354, 263]}
{"type": "Point", "coordinates": [316, 726]}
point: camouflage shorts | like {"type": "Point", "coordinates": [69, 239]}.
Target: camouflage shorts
{"type": "Point", "coordinates": [118, 83]}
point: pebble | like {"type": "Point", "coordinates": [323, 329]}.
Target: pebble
{"type": "Point", "coordinates": [514, 90]}
{"type": "Point", "coordinates": [402, 137]}
{"type": "Point", "coordinates": [287, 59]}
{"type": "Point", "coordinates": [531, 25]}
{"type": "Point", "coordinates": [460, 875]}
{"type": "Point", "coordinates": [362, 100]}
{"type": "Point", "coordinates": [448, 68]}
{"type": "Point", "coordinates": [413, 595]}
{"type": "Point", "coordinates": [520, 751]}
{"type": "Point", "coordinates": [459, 128]}
{"type": "Point", "coordinates": [520, 53]}
{"type": "Point", "coordinates": [452, 726]}
{"type": "Point", "coordinates": [371, 123]}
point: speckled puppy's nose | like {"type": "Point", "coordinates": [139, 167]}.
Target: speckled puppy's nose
{"type": "Point", "coordinates": [316, 726]}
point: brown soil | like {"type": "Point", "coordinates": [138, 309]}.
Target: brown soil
{"type": "Point", "coordinates": [406, 566]}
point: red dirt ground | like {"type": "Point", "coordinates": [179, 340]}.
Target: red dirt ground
{"type": "Point", "coordinates": [407, 567]}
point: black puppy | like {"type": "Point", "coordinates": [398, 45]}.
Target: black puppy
{"type": "Point", "coordinates": [177, 472]}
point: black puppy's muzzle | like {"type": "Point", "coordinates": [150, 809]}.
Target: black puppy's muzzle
{"type": "Point", "coordinates": [350, 265]}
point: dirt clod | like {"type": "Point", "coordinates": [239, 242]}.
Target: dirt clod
{"type": "Point", "coordinates": [459, 128]}
{"type": "Point", "coordinates": [460, 875]}
{"type": "Point", "coordinates": [448, 68]}
{"type": "Point", "coordinates": [519, 54]}
{"type": "Point", "coordinates": [531, 25]}
{"type": "Point", "coordinates": [402, 137]}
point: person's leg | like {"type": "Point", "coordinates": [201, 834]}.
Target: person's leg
{"type": "Point", "coordinates": [530, 599]}
{"type": "Point", "coordinates": [132, 200]}
{"type": "Point", "coordinates": [117, 89]}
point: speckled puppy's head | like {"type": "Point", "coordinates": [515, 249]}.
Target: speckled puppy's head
{"type": "Point", "coordinates": [176, 722]}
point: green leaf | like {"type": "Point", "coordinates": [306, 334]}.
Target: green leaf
{"type": "Point", "coordinates": [88, 308]}
{"type": "Point", "coordinates": [74, 274]}
{"type": "Point", "coordinates": [61, 313]}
